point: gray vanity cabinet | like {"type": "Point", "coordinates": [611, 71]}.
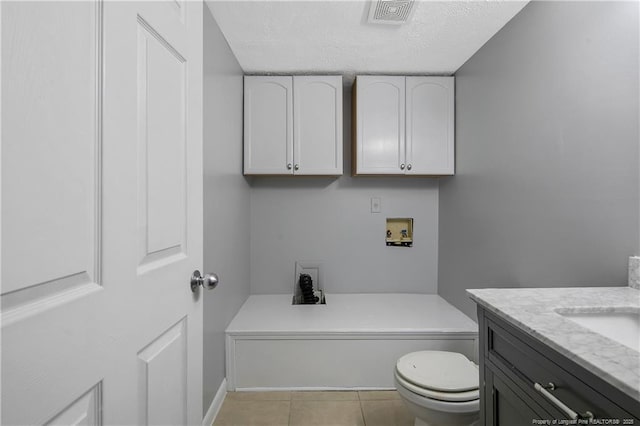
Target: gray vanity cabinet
{"type": "Point", "coordinates": [512, 362]}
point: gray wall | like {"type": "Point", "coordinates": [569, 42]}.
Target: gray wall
{"type": "Point", "coordinates": [546, 190]}
{"type": "Point", "coordinates": [226, 200]}
{"type": "Point", "coordinates": [329, 220]}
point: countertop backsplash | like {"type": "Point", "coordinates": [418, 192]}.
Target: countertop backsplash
{"type": "Point", "coordinates": [634, 272]}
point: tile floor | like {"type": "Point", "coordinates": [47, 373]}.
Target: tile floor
{"type": "Point", "coordinates": [331, 408]}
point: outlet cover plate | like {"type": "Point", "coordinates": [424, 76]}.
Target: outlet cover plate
{"type": "Point", "coordinates": [375, 205]}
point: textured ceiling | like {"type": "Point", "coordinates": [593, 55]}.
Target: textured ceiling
{"type": "Point", "coordinates": [308, 36]}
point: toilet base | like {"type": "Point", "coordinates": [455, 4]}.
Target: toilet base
{"type": "Point", "coordinates": [440, 418]}
{"type": "Point", "coordinates": [427, 417]}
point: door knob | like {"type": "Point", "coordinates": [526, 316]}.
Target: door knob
{"type": "Point", "coordinates": [209, 281]}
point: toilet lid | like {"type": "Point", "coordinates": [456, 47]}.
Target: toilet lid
{"type": "Point", "coordinates": [438, 370]}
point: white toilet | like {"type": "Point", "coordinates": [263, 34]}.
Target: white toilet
{"type": "Point", "coordinates": [439, 388]}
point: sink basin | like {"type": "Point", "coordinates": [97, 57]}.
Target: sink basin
{"type": "Point", "coordinates": [619, 324]}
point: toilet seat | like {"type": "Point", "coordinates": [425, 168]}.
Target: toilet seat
{"type": "Point", "coordinates": [454, 397]}
{"type": "Point", "coordinates": [440, 375]}
{"type": "Point", "coordinates": [464, 407]}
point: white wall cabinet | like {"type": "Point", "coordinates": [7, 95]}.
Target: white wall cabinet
{"type": "Point", "coordinates": [403, 125]}
{"type": "Point", "coordinates": [293, 125]}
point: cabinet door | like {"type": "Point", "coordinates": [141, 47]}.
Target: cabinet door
{"type": "Point", "coordinates": [380, 104]}
{"type": "Point", "coordinates": [317, 134]}
{"type": "Point", "coordinates": [268, 125]}
{"type": "Point", "coordinates": [506, 405]}
{"type": "Point", "coordinates": [430, 125]}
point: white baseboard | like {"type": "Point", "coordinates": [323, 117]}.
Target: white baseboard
{"type": "Point", "coordinates": [214, 408]}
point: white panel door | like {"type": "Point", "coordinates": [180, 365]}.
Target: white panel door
{"type": "Point", "coordinates": [268, 125]}
{"type": "Point", "coordinates": [380, 121]}
{"type": "Point", "coordinates": [101, 212]}
{"type": "Point", "coordinates": [317, 134]}
{"type": "Point", "coordinates": [430, 125]}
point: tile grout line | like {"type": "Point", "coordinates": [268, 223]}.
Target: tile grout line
{"type": "Point", "coordinates": [364, 421]}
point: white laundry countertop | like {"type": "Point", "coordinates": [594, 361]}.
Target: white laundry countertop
{"type": "Point", "coordinates": [351, 313]}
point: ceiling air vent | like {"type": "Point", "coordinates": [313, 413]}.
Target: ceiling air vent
{"type": "Point", "coordinates": [390, 11]}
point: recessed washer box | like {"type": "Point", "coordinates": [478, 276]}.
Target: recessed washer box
{"type": "Point", "coordinates": [313, 269]}
{"type": "Point", "coordinates": [399, 232]}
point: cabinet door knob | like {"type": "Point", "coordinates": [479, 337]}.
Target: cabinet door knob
{"type": "Point", "coordinates": [408, 166]}
{"type": "Point", "coordinates": [402, 166]}
{"type": "Point", "coordinates": [296, 167]}
{"type": "Point", "coordinates": [289, 166]}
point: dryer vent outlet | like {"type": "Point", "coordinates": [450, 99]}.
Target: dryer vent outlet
{"type": "Point", "coordinates": [394, 12]}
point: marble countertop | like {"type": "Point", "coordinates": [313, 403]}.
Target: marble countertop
{"type": "Point", "coordinates": [533, 310]}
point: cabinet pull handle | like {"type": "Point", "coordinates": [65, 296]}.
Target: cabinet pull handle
{"type": "Point", "coordinates": [408, 166]}
{"type": "Point", "coordinates": [289, 166]}
{"type": "Point", "coordinates": [402, 166]}
{"type": "Point", "coordinates": [296, 167]}
{"type": "Point", "coordinates": [559, 404]}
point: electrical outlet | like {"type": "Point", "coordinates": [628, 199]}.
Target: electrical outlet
{"type": "Point", "coordinates": [375, 205]}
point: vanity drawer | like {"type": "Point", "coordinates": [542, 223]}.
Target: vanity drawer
{"type": "Point", "coordinates": [528, 361]}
